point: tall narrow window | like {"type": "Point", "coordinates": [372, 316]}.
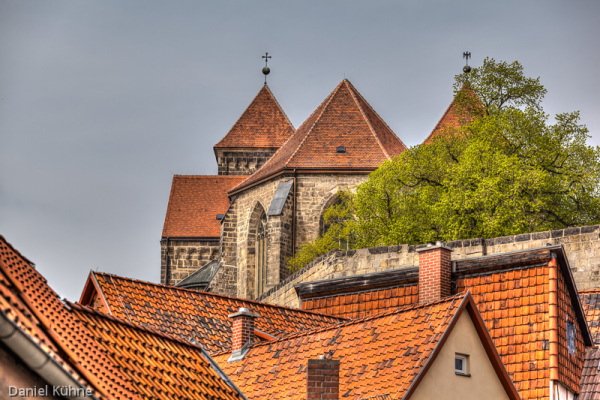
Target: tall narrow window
{"type": "Point", "coordinates": [261, 255]}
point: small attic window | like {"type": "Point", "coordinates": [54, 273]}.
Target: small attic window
{"type": "Point", "coordinates": [340, 149]}
{"type": "Point", "coordinates": [571, 335]}
{"type": "Point", "coordinates": [461, 364]}
{"type": "Point", "coordinates": [220, 217]}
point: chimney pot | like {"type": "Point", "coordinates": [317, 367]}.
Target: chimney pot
{"type": "Point", "coordinates": [242, 332]}
{"type": "Point", "coordinates": [323, 379]}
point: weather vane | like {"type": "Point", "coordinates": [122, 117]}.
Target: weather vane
{"type": "Point", "coordinates": [266, 70]}
{"type": "Point", "coordinates": [466, 56]}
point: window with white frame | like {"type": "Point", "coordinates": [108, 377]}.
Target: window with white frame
{"type": "Point", "coordinates": [461, 364]}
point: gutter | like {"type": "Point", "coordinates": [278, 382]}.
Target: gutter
{"type": "Point", "coordinates": [32, 354]}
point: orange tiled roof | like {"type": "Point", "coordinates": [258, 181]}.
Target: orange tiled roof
{"type": "Point", "coordinates": [194, 204]}
{"type": "Point", "coordinates": [514, 300]}
{"type": "Point", "coordinates": [590, 300]}
{"type": "Point", "coordinates": [343, 119]}
{"type": "Point", "coordinates": [262, 125]}
{"type": "Point", "coordinates": [189, 314]}
{"type": "Point", "coordinates": [451, 118]}
{"type": "Point", "coordinates": [28, 301]}
{"type": "Point", "coordinates": [156, 366]}
{"type": "Point", "coordinates": [380, 355]}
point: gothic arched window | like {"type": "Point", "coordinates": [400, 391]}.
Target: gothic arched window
{"type": "Point", "coordinates": [261, 255]}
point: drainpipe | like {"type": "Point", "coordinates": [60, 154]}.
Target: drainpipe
{"type": "Point", "coordinates": [37, 359]}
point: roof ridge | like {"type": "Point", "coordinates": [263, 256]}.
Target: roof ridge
{"type": "Point", "coordinates": [586, 291]}
{"type": "Point", "coordinates": [208, 176]}
{"type": "Point", "coordinates": [362, 112]}
{"type": "Point", "coordinates": [435, 128]}
{"type": "Point", "coordinates": [383, 314]}
{"type": "Point", "coordinates": [279, 106]}
{"type": "Point", "coordinates": [196, 292]}
{"type": "Point", "coordinates": [323, 106]}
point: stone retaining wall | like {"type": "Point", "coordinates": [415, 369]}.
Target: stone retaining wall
{"type": "Point", "coordinates": [582, 245]}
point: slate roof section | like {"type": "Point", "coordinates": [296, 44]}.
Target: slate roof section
{"type": "Point", "coordinates": [186, 314]}
{"type": "Point", "coordinates": [31, 305]}
{"type": "Point", "coordinates": [590, 300]}
{"type": "Point", "coordinates": [262, 125]}
{"type": "Point", "coordinates": [157, 366]}
{"type": "Point", "coordinates": [381, 355]}
{"type": "Point", "coordinates": [194, 203]}
{"type": "Point", "coordinates": [590, 379]}
{"type": "Point", "coordinates": [344, 118]}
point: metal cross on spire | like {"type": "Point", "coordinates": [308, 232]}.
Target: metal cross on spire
{"type": "Point", "coordinates": [466, 56]}
{"type": "Point", "coordinates": [266, 70]}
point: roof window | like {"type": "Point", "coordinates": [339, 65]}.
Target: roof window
{"type": "Point", "coordinates": [220, 217]}
{"type": "Point", "coordinates": [340, 149]}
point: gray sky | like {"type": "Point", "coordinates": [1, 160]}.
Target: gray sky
{"type": "Point", "coordinates": [102, 101]}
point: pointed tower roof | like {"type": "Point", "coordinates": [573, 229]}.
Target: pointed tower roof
{"type": "Point", "coordinates": [452, 117]}
{"type": "Point", "coordinates": [262, 125]}
{"type": "Point", "coordinates": [344, 119]}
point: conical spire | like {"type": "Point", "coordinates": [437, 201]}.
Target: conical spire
{"type": "Point", "coordinates": [262, 125]}
{"type": "Point", "coordinates": [343, 133]}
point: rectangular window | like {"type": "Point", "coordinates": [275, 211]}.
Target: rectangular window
{"type": "Point", "coordinates": [571, 335]}
{"type": "Point", "coordinates": [461, 364]}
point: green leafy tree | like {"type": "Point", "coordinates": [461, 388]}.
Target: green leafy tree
{"type": "Point", "coordinates": [505, 170]}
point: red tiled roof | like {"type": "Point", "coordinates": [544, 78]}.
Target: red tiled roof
{"type": "Point", "coordinates": [451, 118]}
{"type": "Point", "coordinates": [262, 125]}
{"type": "Point", "coordinates": [590, 379]}
{"type": "Point", "coordinates": [343, 119]}
{"type": "Point", "coordinates": [379, 355]}
{"type": "Point", "coordinates": [156, 366]}
{"type": "Point", "coordinates": [590, 300]}
{"type": "Point", "coordinates": [28, 301]}
{"type": "Point", "coordinates": [189, 314]}
{"type": "Point", "coordinates": [195, 202]}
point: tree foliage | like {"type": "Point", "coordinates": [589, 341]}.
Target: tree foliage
{"type": "Point", "coordinates": [504, 169]}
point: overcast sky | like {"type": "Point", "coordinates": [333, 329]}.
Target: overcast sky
{"type": "Point", "coordinates": [101, 102]}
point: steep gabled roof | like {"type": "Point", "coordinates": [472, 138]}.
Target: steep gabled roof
{"type": "Point", "coordinates": [590, 301]}
{"type": "Point", "coordinates": [344, 118]}
{"type": "Point", "coordinates": [382, 355]}
{"type": "Point", "coordinates": [30, 305]}
{"type": "Point", "coordinates": [156, 365]}
{"type": "Point", "coordinates": [189, 314]}
{"type": "Point", "coordinates": [194, 203]}
{"type": "Point", "coordinates": [262, 125]}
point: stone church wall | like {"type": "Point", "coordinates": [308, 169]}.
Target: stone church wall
{"type": "Point", "coordinates": [184, 257]}
{"type": "Point", "coordinates": [243, 161]}
{"type": "Point", "coordinates": [582, 245]}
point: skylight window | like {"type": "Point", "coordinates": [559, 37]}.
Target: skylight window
{"type": "Point", "coordinates": [461, 364]}
{"type": "Point", "coordinates": [571, 335]}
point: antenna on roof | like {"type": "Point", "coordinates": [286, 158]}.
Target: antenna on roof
{"type": "Point", "coordinates": [266, 70]}
{"type": "Point", "coordinates": [466, 56]}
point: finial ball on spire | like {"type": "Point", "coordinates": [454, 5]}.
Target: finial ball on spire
{"type": "Point", "coordinates": [466, 69]}
{"type": "Point", "coordinates": [266, 70]}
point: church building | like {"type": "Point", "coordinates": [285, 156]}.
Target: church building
{"type": "Point", "coordinates": [234, 232]}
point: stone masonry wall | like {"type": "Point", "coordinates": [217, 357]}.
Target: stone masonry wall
{"type": "Point", "coordinates": [224, 282]}
{"type": "Point", "coordinates": [184, 257]}
{"type": "Point", "coordinates": [582, 245]}
{"type": "Point", "coordinates": [314, 193]}
{"type": "Point", "coordinates": [243, 161]}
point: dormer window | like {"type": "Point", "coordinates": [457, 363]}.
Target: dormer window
{"type": "Point", "coordinates": [461, 364]}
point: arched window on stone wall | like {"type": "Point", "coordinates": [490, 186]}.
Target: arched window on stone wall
{"type": "Point", "coordinates": [335, 200]}
{"type": "Point", "coordinates": [257, 250]}
{"type": "Point", "coordinates": [261, 255]}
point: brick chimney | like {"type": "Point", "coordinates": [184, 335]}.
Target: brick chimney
{"type": "Point", "coordinates": [323, 379]}
{"type": "Point", "coordinates": [242, 331]}
{"type": "Point", "coordinates": [435, 272]}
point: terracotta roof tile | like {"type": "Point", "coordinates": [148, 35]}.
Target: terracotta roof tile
{"type": "Point", "coordinates": [189, 314]}
{"type": "Point", "coordinates": [28, 301]}
{"type": "Point", "coordinates": [195, 202]}
{"type": "Point", "coordinates": [262, 125]}
{"type": "Point", "coordinates": [156, 366]}
{"type": "Point", "coordinates": [343, 119]}
{"type": "Point", "coordinates": [379, 355]}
